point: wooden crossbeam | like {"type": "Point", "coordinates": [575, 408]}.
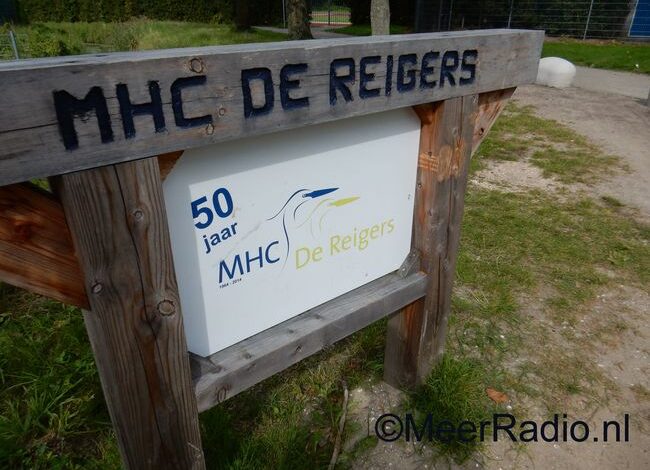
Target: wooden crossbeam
{"type": "Point", "coordinates": [166, 162]}
{"type": "Point", "coordinates": [234, 369]}
{"type": "Point", "coordinates": [66, 114]}
{"type": "Point", "coordinates": [36, 251]}
{"type": "Point", "coordinates": [490, 106]}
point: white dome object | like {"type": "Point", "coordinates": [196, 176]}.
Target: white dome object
{"type": "Point", "coordinates": [555, 72]}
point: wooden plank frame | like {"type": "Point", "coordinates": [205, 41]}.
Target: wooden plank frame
{"type": "Point", "coordinates": [103, 232]}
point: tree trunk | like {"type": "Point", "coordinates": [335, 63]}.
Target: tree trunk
{"type": "Point", "coordinates": [380, 17]}
{"type": "Point", "coordinates": [242, 15]}
{"type": "Point", "coordinates": [298, 20]}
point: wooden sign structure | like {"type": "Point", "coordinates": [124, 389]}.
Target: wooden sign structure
{"type": "Point", "coordinates": [106, 129]}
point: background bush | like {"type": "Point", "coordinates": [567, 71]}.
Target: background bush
{"type": "Point", "coordinates": [220, 11]}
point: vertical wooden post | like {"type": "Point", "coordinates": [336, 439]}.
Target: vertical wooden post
{"type": "Point", "coordinates": [416, 335]}
{"type": "Point", "coordinates": [118, 224]}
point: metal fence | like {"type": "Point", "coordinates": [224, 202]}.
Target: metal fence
{"type": "Point", "coordinates": [9, 46]}
{"type": "Point", "coordinates": [330, 12]}
{"type": "Point", "coordinates": [576, 18]}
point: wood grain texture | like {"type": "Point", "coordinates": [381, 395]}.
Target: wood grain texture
{"type": "Point", "coordinates": [36, 251]}
{"type": "Point", "coordinates": [490, 106]}
{"type": "Point", "coordinates": [416, 335]}
{"type": "Point", "coordinates": [234, 369]}
{"type": "Point", "coordinates": [31, 144]}
{"type": "Point", "coordinates": [166, 163]}
{"type": "Point", "coordinates": [118, 223]}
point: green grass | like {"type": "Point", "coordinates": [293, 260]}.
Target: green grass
{"type": "Point", "coordinates": [364, 30]}
{"type": "Point", "coordinates": [546, 253]}
{"type": "Point", "coordinates": [52, 39]}
{"type": "Point", "coordinates": [454, 392]}
{"type": "Point", "coordinates": [606, 55]}
{"type": "Point", "coordinates": [557, 150]}
{"type": "Point", "coordinates": [290, 420]}
{"type": "Point", "coordinates": [529, 252]}
{"type": "Point", "coordinates": [52, 413]}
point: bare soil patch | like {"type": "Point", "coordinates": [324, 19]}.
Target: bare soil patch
{"type": "Point", "coordinates": [618, 124]}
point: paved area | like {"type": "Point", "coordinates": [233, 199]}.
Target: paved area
{"type": "Point", "coordinates": [634, 85]}
{"type": "Point", "coordinates": [316, 31]}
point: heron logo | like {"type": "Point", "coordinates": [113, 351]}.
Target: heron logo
{"type": "Point", "coordinates": [305, 207]}
{"type": "Point", "coordinates": [306, 199]}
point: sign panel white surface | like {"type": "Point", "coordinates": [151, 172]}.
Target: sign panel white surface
{"type": "Point", "coordinates": [266, 228]}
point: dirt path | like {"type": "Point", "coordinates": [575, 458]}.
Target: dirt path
{"type": "Point", "coordinates": [618, 124]}
{"type": "Point", "coordinates": [319, 32]}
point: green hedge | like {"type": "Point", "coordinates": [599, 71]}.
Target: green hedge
{"type": "Point", "coordinates": [261, 11]}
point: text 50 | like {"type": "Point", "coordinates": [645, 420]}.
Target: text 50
{"type": "Point", "coordinates": [203, 213]}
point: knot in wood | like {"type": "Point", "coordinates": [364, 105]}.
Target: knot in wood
{"type": "Point", "coordinates": [209, 129]}
{"type": "Point", "coordinates": [222, 111]}
{"type": "Point", "coordinates": [138, 214]}
{"type": "Point", "coordinates": [166, 307]}
{"type": "Point", "coordinates": [23, 230]}
{"type": "Point", "coordinates": [196, 65]}
{"type": "Point", "coordinates": [97, 287]}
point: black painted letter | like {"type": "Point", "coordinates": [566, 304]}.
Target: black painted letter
{"type": "Point", "coordinates": [389, 75]}
{"type": "Point", "coordinates": [264, 74]}
{"type": "Point", "coordinates": [402, 62]}
{"type": "Point", "coordinates": [68, 107]}
{"type": "Point", "coordinates": [128, 109]}
{"type": "Point", "coordinates": [427, 69]}
{"type": "Point", "coordinates": [177, 102]}
{"type": "Point", "coordinates": [447, 70]}
{"type": "Point", "coordinates": [366, 77]}
{"type": "Point", "coordinates": [338, 82]}
{"type": "Point", "coordinates": [287, 84]}
{"type": "Point", "coordinates": [467, 66]}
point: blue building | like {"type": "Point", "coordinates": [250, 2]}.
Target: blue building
{"type": "Point", "coordinates": [640, 26]}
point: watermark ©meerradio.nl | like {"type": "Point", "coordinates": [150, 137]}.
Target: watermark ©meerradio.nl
{"type": "Point", "coordinates": [390, 427]}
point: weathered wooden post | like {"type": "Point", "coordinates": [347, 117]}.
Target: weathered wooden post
{"type": "Point", "coordinates": [416, 335]}
{"type": "Point", "coordinates": [108, 129]}
{"type": "Point", "coordinates": [116, 215]}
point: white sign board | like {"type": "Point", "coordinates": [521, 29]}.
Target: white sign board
{"type": "Point", "coordinates": [265, 228]}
